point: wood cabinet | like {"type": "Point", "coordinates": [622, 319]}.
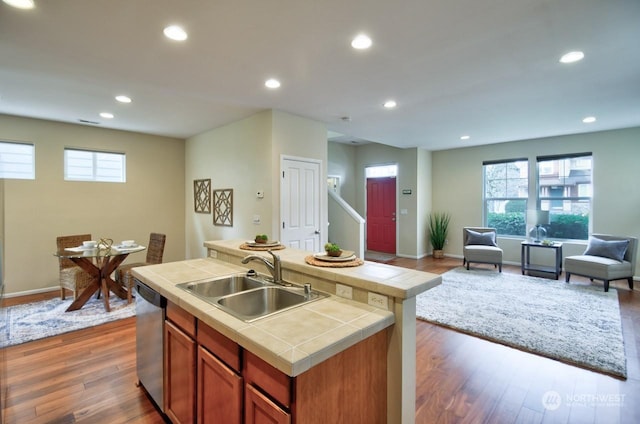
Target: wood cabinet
{"type": "Point", "coordinates": [180, 375]}
{"type": "Point", "coordinates": [210, 378]}
{"type": "Point", "coordinates": [220, 389]}
{"type": "Point", "coordinates": [259, 409]}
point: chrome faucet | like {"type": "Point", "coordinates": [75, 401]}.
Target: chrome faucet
{"type": "Point", "coordinates": [274, 268]}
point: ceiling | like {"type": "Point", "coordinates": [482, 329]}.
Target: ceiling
{"type": "Point", "coordinates": [488, 69]}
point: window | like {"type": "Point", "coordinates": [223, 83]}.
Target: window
{"type": "Point", "coordinates": [506, 189]}
{"type": "Point", "coordinates": [565, 189]}
{"type": "Point", "coordinates": [17, 160]}
{"type": "Point", "coordinates": [381, 171]}
{"type": "Point", "coordinates": [87, 165]}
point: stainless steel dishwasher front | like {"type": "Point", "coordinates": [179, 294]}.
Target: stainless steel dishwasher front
{"type": "Point", "coordinates": [150, 314]}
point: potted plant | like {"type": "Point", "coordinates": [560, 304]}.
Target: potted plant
{"type": "Point", "coordinates": [438, 229]}
{"type": "Point", "coordinates": [332, 249]}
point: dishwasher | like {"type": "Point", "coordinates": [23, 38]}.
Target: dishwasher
{"type": "Point", "coordinates": [150, 314]}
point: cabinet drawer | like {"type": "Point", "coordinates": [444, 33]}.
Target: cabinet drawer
{"type": "Point", "coordinates": [181, 318]}
{"type": "Point", "coordinates": [268, 378]}
{"type": "Point", "coordinates": [221, 346]}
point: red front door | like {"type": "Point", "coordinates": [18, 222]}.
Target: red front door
{"type": "Point", "coordinates": [381, 214]}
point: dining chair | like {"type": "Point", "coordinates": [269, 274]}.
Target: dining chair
{"type": "Point", "coordinates": [155, 251]}
{"type": "Point", "coordinates": [72, 277]}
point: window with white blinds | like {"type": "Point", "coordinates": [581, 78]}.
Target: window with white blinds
{"type": "Point", "coordinates": [17, 160]}
{"type": "Point", "coordinates": [89, 165]}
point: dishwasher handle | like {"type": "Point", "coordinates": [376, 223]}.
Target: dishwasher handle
{"type": "Point", "coordinates": [150, 295]}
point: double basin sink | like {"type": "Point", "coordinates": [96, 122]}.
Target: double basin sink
{"type": "Point", "coordinates": [249, 296]}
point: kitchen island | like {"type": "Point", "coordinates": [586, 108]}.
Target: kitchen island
{"type": "Point", "coordinates": [311, 336]}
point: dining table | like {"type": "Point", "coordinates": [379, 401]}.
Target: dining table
{"type": "Point", "coordinates": [99, 262]}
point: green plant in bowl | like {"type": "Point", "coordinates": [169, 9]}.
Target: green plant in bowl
{"type": "Point", "coordinates": [332, 249]}
{"type": "Point", "coordinates": [261, 238]}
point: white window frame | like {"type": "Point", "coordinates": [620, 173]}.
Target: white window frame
{"type": "Point", "coordinates": [98, 166]}
{"type": "Point", "coordinates": [17, 160]}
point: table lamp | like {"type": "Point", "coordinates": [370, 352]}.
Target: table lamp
{"type": "Point", "coordinates": [540, 218]}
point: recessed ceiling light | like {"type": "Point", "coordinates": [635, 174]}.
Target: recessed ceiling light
{"type": "Point", "coordinates": [465, 137]}
{"type": "Point", "coordinates": [272, 83]}
{"type": "Point", "coordinates": [123, 99]}
{"type": "Point", "coordinates": [175, 32]}
{"type": "Point", "coordinates": [589, 119]}
{"type": "Point", "coordinates": [106, 115]}
{"type": "Point", "coordinates": [390, 104]}
{"type": "Point", "coordinates": [572, 57]}
{"type": "Point", "coordinates": [21, 4]}
{"type": "Point", "coordinates": [361, 42]}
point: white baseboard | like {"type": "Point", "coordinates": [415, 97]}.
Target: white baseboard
{"type": "Point", "coordinates": [35, 291]}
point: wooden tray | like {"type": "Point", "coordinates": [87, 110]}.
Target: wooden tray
{"type": "Point", "coordinates": [316, 262]}
{"type": "Point", "coordinates": [245, 246]}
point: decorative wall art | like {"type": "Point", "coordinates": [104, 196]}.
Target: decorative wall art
{"type": "Point", "coordinates": [202, 196]}
{"type": "Point", "coordinates": [223, 207]}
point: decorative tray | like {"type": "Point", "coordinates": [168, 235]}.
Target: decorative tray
{"type": "Point", "coordinates": [252, 243]}
{"type": "Point", "coordinates": [346, 256]}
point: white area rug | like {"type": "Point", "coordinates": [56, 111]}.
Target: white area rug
{"type": "Point", "coordinates": [579, 325]}
{"type": "Point", "coordinates": [37, 320]}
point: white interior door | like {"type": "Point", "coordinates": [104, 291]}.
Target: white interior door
{"type": "Point", "coordinates": [300, 204]}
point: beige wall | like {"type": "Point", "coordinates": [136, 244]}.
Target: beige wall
{"type": "Point", "coordinates": [407, 160]}
{"type": "Point", "coordinates": [37, 211]}
{"type": "Point", "coordinates": [245, 156]}
{"type": "Point", "coordinates": [414, 173]}
{"type": "Point", "coordinates": [457, 183]}
{"type": "Point", "coordinates": [342, 163]}
{"type": "Point", "coordinates": [423, 195]}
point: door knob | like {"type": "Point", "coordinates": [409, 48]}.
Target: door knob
{"type": "Point", "coordinates": [316, 232]}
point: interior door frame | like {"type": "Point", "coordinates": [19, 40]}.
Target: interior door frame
{"type": "Point", "coordinates": [322, 190]}
{"type": "Point", "coordinates": [397, 200]}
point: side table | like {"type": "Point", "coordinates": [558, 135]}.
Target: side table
{"type": "Point", "coordinates": [525, 264]}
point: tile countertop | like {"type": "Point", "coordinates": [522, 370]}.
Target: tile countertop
{"type": "Point", "coordinates": [393, 281]}
{"type": "Point", "coordinates": [292, 341]}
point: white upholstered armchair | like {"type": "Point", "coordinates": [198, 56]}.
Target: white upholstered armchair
{"type": "Point", "coordinates": [607, 258]}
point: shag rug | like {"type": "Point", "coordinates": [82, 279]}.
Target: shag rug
{"type": "Point", "coordinates": [579, 325]}
{"type": "Point", "coordinates": [37, 320]}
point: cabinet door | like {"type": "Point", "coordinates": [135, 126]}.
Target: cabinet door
{"type": "Point", "coordinates": [219, 391]}
{"type": "Point", "coordinates": [261, 410]}
{"type": "Point", "coordinates": [180, 375]}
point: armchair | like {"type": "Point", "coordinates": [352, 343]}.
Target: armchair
{"type": "Point", "coordinates": [479, 245]}
{"type": "Point", "coordinates": [605, 259]}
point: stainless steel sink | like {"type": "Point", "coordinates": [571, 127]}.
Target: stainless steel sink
{"type": "Point", "coordinates": [222, 286]}
{"type": "Point", "coordinates": [250, 297]}
{"type": "Point", "coordinates": [259, 303]}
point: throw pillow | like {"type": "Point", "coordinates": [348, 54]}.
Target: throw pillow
{"type": "Point", "coordinates": [484, 239]}
{"type": "Point", "coordinates": [612, 249]}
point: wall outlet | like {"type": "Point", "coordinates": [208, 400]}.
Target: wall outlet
{"type": "Point", "coordinates": [378, 300]}
{"type": "Point", "coordinates": [344, 291]}
{"type": "Point", "coordinates": [256, 219]}
{"type": "Point", "coordinates": [213, 254]}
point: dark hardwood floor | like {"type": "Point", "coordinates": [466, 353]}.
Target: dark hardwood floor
{"type": "Point", "coordinates": [464, 379]}
{"type": "Point", "coordinates": [89, 375]}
